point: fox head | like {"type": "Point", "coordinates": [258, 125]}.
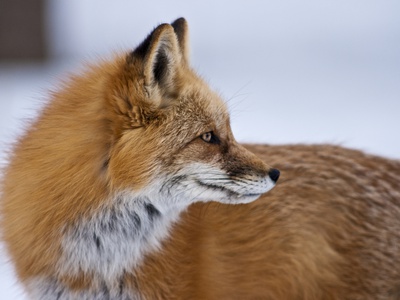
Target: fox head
{"type": "Point", "coordinates": [171, 132]}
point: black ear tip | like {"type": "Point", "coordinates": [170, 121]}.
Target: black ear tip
{"type": "Point", "coordinates": [180, 26]}
{"type": "Point", "coordinates": [179, 22]}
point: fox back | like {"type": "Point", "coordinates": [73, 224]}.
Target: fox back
{"type": "Point", "coordinates": [130, 185]}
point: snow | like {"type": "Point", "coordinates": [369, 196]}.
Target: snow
{"type": "Point", "coordinates": [292, 71]}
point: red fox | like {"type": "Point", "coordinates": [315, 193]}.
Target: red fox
{"type": "Point", "coordinates": [130, 185]}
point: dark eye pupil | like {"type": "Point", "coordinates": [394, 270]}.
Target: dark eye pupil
{"type": "Point", "coordinates": [207, 136]}
{"type": "Point", "coordinates": [210, 137]}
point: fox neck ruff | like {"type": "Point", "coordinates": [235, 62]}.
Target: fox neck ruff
{"type": "Point", "coordinates": [106, 246]}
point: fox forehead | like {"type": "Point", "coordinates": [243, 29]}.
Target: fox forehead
{"type": "Point", "coordinates": [204, 109]}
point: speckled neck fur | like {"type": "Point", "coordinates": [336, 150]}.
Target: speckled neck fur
{"type": "Point", "coordinates": [107, 245]}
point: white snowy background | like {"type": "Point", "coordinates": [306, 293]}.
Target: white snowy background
{"type": "Point", "coordinates": [292, 71]}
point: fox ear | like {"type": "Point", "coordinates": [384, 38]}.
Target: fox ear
{"type": "Point", "coordinates": [161, 59]}
{"type": "Point", "coordinates": [181, 29]}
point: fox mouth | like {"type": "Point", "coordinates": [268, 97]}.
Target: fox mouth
{"type": "Point", "coordinates": [228, 191]}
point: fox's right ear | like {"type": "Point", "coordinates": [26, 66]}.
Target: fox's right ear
{"type": "Point", "coordinates": [182, 32]}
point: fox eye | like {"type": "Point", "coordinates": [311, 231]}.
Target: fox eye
{"type": "Point", "coordinates": [210, 137]}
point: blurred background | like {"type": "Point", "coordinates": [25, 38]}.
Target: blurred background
{"type": "Point", "coordinates": [291, 71]}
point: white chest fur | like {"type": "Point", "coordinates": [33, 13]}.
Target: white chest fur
{"type": "Point", "coordinates": [115, 239]}
{"type": "Point", "coordinates": [106, 245]}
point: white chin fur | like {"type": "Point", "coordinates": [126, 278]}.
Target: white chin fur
{"type": "Point", "coordinates": [239, 199]}
{"type": "Point", "coordinates": [206, 183]}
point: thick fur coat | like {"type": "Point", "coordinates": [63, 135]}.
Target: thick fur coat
{"type": "Point", "coordinates": [130, 185]}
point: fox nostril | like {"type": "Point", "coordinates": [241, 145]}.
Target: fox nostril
{"type": "Point", "coordinates": [274, 174]}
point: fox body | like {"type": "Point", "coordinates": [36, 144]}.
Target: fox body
{"type": "Point", "coordinates": [109, 195]}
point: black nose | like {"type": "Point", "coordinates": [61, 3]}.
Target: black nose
{"type": "Point", "coordinates": [274, 174]}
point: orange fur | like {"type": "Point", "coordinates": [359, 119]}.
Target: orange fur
{"type": "Point", "coordinates": [330, 230]}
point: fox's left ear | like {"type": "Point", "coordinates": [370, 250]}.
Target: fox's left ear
{"type": "Point", "coordinates": [162, 53]}
{"type": "Point", "coordinates": [157, 61]}
{"type": "Point", "coordinates": [161, 58]}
